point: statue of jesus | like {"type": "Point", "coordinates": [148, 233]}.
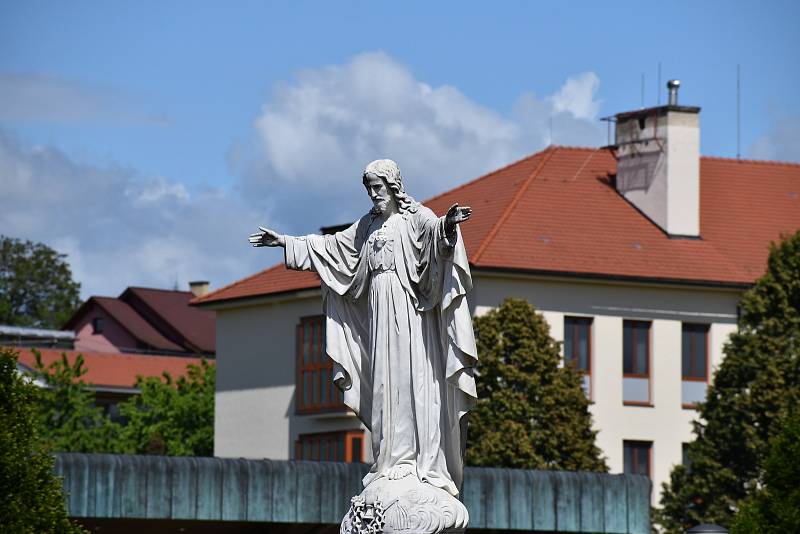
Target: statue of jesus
{"type": "Point", "coordinates": [399, 331]}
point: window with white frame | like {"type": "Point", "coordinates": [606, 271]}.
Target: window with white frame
{"type": "Point", "coordinates": [578, 348]}
{"type": "Point", "coordinates": [636, 362]}
{"type": "Point", "coordinates": [694, 363]}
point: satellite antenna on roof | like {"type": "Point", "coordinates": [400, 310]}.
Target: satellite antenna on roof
{"type": "Point", "coordinates": [738, 113]}
{"type": "Point", "coordinates": [658, 86]}
{"type": "Point", "coordinates": [643, 90]}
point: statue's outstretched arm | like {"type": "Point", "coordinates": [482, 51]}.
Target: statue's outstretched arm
{"type": "Point", "coordinates": [456, 215]}
{"type": "Point", "coordinates": [267, 238]}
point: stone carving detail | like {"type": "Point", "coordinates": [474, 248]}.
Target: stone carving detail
{"type": "Point", "coordinates": [404, 506]}
{"type": "Point", "coordinates": [363, 518]}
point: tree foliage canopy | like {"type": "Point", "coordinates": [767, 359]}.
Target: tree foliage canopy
{"type": "Point", "coordinates": [754, 390]}
{"type": "Point", "coordinates": [531, 412]}
{"type": "Point", "coordinates": [173, 417]}
{"type": "Point", "coordinates": [168, 416]}
{"type": "Point", "coordinates": [775, 507]}
{"type": "Point", "coordinates": [36, 285]}
{"type": "Point", "coordinates": [70, 421]}
{"type": "Point", "coordinates": [31, 496]}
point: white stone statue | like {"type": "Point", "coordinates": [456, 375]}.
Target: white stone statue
{"type": "Point", "coordinates": [399, 331]}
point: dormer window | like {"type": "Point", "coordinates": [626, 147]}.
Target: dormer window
{"type": "Point", "coordinates": [97, 325]}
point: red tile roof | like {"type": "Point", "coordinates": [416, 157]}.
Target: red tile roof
{"type": "Point", "coordinates": [557, 212]}
{"type": "Point", "coordinates": [134, 323]}
{"type": "Point", "coordinates": [195, 328]}
{"type": "Point", "coordinates": [113, 369]}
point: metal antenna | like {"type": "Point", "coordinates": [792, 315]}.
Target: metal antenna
{"type": "Point", "coordinates": [643, 90]}
{"type": "Point", "coordinates": [658, 86]}
{"type": "Point", "coordinates": [738, 112]}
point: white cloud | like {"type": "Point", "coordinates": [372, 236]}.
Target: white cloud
{"type": "Point", "coordinates": [120, 229]}
{"type": "Point", "coordinates": [37, 97]}
{"type": "Point", "coordinates": [300, 170]}
{"type": "Point", "coordinates": [782, 143]}
{"type": "Point", "coordinates": [577, 96]}
{"type": "Point", "coordinates": [317, 132]}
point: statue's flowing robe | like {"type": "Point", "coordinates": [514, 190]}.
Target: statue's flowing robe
{"type": "Point", "coordinates": [400, 334]}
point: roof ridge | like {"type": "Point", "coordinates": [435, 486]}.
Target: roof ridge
{"type": "Point", "coordinates": [208, 296]}
{"type": "Point", "coordinates": [157, 289]}
{"type": "Point", "coordinates": [547, 154]}
{"type": "Point", "coordinates": [576, 147]}
{"type": "Point", "coordinates": [583, 166]}
{"type": "Point", "coordinates": [756, 161]}
{"type": "Point", "coordinates": [488, 174]}
{"type": "Point", "coordinates": [124, 325]}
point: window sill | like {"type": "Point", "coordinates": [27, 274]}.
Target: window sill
{"type": "Point", "coordinates": [638, 404]}
{"type": "Point", "coordinates": [328, 413]}
{"type": "Point", "coordinates": [689, 406]}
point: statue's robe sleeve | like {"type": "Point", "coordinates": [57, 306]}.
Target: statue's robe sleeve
{"type": "Point", "coordinates": [437, 269]}
{"type": "Point", "coordinates": [434, 270]}
{"type": "Point", "coordinates": [339, 261]}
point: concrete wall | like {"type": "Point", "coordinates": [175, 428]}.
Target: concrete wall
{"type": "Point", "coordinates": [256, 363]}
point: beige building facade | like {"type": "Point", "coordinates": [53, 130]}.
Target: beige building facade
{"type": "Point", "coordinates": [637, 254]}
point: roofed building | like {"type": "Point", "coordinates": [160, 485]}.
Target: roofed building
{"type": "Point", "coordinates": [636, 253]}
{"type": "Point", "coordinates": [144, 320]}
{"type": "Point", "coordinates": [111, 376]}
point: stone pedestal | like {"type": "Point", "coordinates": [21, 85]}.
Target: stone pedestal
{"type": "Point", "coordinates": [405, 506]}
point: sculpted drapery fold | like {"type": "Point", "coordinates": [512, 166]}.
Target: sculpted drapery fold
{"type": "Point", "coordinates": [376, 321]}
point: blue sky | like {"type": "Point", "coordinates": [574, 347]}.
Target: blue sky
{"type": "Point", "coordinates": [147, 139]}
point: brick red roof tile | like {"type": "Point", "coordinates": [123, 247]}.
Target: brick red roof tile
{"type": "Point", "coordinates": [113, 370]}
{"type": "Point", "coordinates": [131, 321]}
{"type": "Point", "coordinates": [195, 326]}
{"type": "Point", "coordinates": [557, 212]}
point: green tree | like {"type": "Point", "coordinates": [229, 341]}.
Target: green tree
{"type": "Point", "coordinates": [752, 393]}
{"type": "Point", "coordinates": [531, 411]}
{"type": "Point", "coordinates": [36, 286]}
{"type": "Point", "coordinates": [31, 496]}
{"type": "Point", "coordinates": [173, 417]}
{"type": "Point", "coordinates": [70, 421]}
{"type": "Point", "coordinates": [775, 507]}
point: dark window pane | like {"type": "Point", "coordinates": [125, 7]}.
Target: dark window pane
{"type": "Point", "coordinates": [686, 350]}
{"type": "Point", "coordinates": [569, 345]}
{"type": "Point", "coordinates": [642, 341]}
{"type": "Point", "coordinates": [701, 356]}
{"type": "Point", "coordinates": [306, 388]}
{"type": "Point", "coordinates": [583, 346]}
{"type": "Point", "coordinates": [306, 343]}
{"type": "Point", "coordinates": [628, 452]}
{"type": "Point", "coordinates": [694, 358]}
{"type": "Point", "coordinates": [340, 448]}
{"type": "Point", "coordinates": [355, 448]}
{"type": "Point", "coordinates": [627, 347]}
{"type": "Point", "coordinates": [325, 389]}
{"type": "Point", "coordinates": [637, 457]}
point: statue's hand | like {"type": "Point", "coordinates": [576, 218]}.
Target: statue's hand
{"type": "Point", "coordinates": [455, 215]}
{"type": "Point", "coordinates": [267, 238]}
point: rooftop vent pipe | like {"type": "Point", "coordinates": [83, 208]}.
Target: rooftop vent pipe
{"type": "Point", "coordinates": [673, 86]}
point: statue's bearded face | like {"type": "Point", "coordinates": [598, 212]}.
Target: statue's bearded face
{"type": "Point", "coordinates": [377, 190]}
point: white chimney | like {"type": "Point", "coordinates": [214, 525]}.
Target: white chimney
{"type": "Point", "coordinates": [658, 163]}
{"type": "Point", "coordinates": [198, 288]}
